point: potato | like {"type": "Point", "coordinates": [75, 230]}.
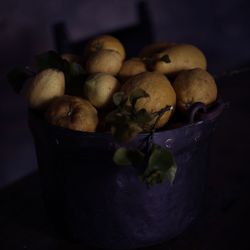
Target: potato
{"type": "Point", "coordinates": [177, 58]}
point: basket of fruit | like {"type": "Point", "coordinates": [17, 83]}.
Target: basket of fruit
{"type": "Point", "coordinates": [122, 145]}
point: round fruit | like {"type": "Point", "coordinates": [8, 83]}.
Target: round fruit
{"type": "Point", "coordinates": [99, 89]}
{"type": "Point", "coordinates": [161, 93]}
{"type": "Point", "coordinates": [104, 61]}
{"type": "Point", "coordinates": [46, 85]}
{"type": "Point", "coordinates": [179, 57]}
{"type": "Point", "coordinates": [73, 113]}
{"type": "Point", "coordinates": [195, 85]}
{"type": "Point", "coordinates": [106, 42]}
{"type": "Point", "coordinates": [154, 48]}
{"type": "Point", "coordinates": [131, 67]}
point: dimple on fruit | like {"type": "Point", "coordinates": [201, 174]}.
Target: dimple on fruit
{"type": "Point", "coordinates": [73, 113]}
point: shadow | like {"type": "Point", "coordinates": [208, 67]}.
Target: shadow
{"type": "Point", "coordinates": [133, 37]}
{"type": "Point", "coordinates": [24, 221]}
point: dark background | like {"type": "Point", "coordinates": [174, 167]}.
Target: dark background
{"type": "Point", "coordinates": [219, 28]}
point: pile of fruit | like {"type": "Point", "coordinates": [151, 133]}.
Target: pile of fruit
{"type": "Point", "coordinates": [108, 79]}
{"type": "Point", "coordinates": [101, 90]}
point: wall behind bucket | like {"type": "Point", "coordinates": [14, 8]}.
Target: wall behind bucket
{"type": "Point", "coordinates": [26, 30]}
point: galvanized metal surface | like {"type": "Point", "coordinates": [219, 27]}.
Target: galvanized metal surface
{"type": "Point", "coordinates": [103, 205]}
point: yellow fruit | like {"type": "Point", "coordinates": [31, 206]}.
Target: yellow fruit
{"type": "Point", "coordinates": [106, 42]}
{"type": "Point", "coordinates": [104, 61]}
{"type": "Point", "coordinates": [99, 89]}
{"type": "Point", "coordinates": [46, 85]}
{"type": "Point", "coordinates": [73, 113]}
{"type": "Point", "coordinates": [181, 56]}
{"type": "Point", "coordinates": [131, 67]}
{"type": "Point", "coordinates": [192, 86]}
{"type": "Point", "coordinates": [161, 93]}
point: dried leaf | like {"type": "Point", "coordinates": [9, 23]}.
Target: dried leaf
{"type": "Point", "coordinates": [137, 94]}
{"type": "Point", "coordinates": [166, 59]}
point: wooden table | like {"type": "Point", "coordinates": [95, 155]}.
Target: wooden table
{"type": "Point", "coordinates": [225, 223]}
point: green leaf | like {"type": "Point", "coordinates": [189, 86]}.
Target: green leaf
{"type": "Point", "coordinates": [142, 117]}
{"type": "Point", "coordinates": [73, 72]}
{"type": "Point", "coordinates": [51, 59]}
{"type": "Point", "coordinates": [76, 69]}
{"type": "Point", "coordinates": [120, 157]}
{"type": "Point", "coordinates": [161, 165]}
{"type": "Point", "coordinates": [118, 98]}
{"type": "Point", "coordinates": [126, 157]}
{"type": "Point", "coordinates": [166, 59]}
{"type": "Point", "coordinates": [17, 77]}
{"type": "Point", "coordinates": [137, 94]}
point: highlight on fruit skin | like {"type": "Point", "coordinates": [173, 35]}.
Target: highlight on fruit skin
{"type": "Point", "coordinates": [72, 113]}
{"type": "Point", "coordinates": [46, 85]}
{"type": "Point", "coordinates": [131, 67]}
{"type": "Point", "coordinates": [103, 61]}
{"type": "Point", "coordinates": [177, 58]}
{"type": "Point", "coordinates": [195, 85]}
{"type": "Point", "coordinates": [106, 42]}
{"type": "Point", "coordinates": [99, 89]}
{"type": "Point", "coordinates": [160, 91]}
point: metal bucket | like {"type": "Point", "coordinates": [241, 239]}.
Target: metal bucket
{"type": "Point", "coordinates": [103, 205]}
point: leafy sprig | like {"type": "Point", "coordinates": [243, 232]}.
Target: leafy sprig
{"type": "Point", "coordinates": [73, 72]}
{"type": "Point", "coordinates": [126, 122]}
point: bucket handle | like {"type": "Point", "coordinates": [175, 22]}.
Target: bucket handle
{"type": "Point", "coordinates": [199, 111]}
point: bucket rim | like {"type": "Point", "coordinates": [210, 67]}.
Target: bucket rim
{"type": "Point", "coordinates": [210, 117]}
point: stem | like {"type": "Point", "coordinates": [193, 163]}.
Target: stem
{"type": "Point", "coordinates": [150, 137]}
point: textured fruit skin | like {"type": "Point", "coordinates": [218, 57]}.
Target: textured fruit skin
{"type": "Point", "coordinates": [73, 113]}
{"type": "Point", "coordinates": [195, 85]}
{"type": "Point", "coordinates": [182, 57]}
{"type": "Point", "coordinates": [46, 85]}
{"type": "Point", "coordinates": [104, 42]}
{"type": "Point", "coordinates": [160, 91]}
{"type": "Point", "coordinates": [104, 61]}
{"type": "Point", "coordinates": [131, 67]}
{"type": "Point", "coordinates": [99, 89]}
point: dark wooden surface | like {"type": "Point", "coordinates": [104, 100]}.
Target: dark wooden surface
{"type": "Point", "coordinates": [225, 223]}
